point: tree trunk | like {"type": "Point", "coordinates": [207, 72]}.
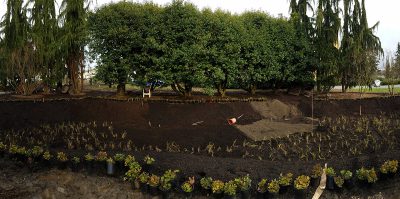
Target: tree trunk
{"type": "Point", "coordinates": [252, 89]}
{"type": "Point", "coordinates": [121, 89]}
{"type": "Point", "coordinates": [81, 57]}
{"type": "Point", "coordinates": [72, 64]}
{"type": "Point", "coordinates": [221, 90]}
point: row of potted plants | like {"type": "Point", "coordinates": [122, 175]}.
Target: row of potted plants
{"type": "Point", "coordinates": [141, 178]}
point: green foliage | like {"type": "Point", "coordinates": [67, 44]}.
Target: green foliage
{"type": "Point", "coordinates": [368, 175]}
{"type": "Point", "coordinates": [302, 182]}
{"type": "Point", "coordinates": [62, 157]}
{"type": "Point", "coordinates": [144, 177]}
{"type": "Point", "coordinates": [389, 166]}
{"type": "Point", "coordinates": [339, 181]}
{"type": "Point", "coordinates": [347, 175]}
{"type": "Point", "coordinates": [230, 188]}
{"type": "Point", "coordinates": [206, 182]}
{"type": "Point", "coordinates": [273, 187]}
{"type": "Point", "coordinates": [262, 186]}
{"type": "Point", "coordinates": [119, 157]}
{"type": "Point", "coordinates": [243, 183]}
{"type": "Point", "coordinates": [285, 180]}
{"type": "Point", "coordinates": [316, 171]}
{"type": "Point", "coordinates": [166, 180]}
{"type": "Point", "coordinates": [330, 172]}
{"type": "Point", "coordinates": [187, 187]}
{"type": "Point", "coordinates": [217, 186]}
{"type": "Point", "coordinates": [148, 160]}
{"type": "Point", "coordinates": [47, 155]}
{"type": "Point", "coordinates": [89, 157]}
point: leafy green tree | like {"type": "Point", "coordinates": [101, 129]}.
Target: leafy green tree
{"type": "Point", "coordinates": [116, 41]}
{"type": "Point", "coordinates": [183, 38]}
{"type": "Point", "coordinates": [222, 50]}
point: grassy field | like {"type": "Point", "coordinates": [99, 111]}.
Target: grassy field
{"type": "Point", "coordinates": [382, 89]}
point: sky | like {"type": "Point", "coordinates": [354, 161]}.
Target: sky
{"type": "Point", "coordinates": [386, 12]}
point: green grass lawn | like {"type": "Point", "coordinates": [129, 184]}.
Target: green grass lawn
{"type": "Point", "coordinates": [382, 89]}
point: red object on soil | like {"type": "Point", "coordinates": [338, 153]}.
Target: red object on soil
{"type": "Point", "coordinates": [232, 121]}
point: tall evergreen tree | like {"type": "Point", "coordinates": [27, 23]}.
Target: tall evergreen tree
{"type": "Point", "coordinates": [73, 16]}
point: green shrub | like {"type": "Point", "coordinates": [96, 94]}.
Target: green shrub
{"type": "Point", "coordinates": [273, 186]}
{"type": "Point", "coordinates": [368, 175]}
{"type": "Point", "coordinates": [389, 166]}
{"type": "Point", "coordinates": [217, 186]}
{"type": "Point", "coordinates": [62, 157]}
{"type": "Point", "coordinates": [230, 188]}
{"type": "Point", "coordinates": [262, 186]}
{"type": "Point", "coordinates": [346, 174]}
{"type": "Point", "coordinates": [302, 182]}
{"type": "Point", "coordinates": [330, 172]}
{"type": "Point", "coordinates": [316, 171]}
{"type": "Point", "coordinates": [144, 177]}
{"type": "Point", "coordinates": [286, 180]}
{"type": "Point", "coordinates": [243, 183]}
{"type": "Point", "coordinates": [187, 187]}
{"type": "Point", "coordinates": [148, 160]}
{"type": "Point", "coordinates": [338, 181]}
{"type": "Point", "coordinates": [206, 182]}
{"type": "Point", "coordinates": [119, 157]}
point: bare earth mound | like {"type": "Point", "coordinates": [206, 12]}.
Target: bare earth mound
{"type": "Point", "coordinates": [279, 120]}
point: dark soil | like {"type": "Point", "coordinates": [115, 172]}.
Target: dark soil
{"type": "Point", "coordinates": [153, 123]}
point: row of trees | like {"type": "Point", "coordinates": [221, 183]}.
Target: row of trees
{"type": "Point", "coordinates": [184, 47]}
{"type": "Point", "coordinates": [39, 45]}
{"type": "Point", "coordinates": [392, 69]}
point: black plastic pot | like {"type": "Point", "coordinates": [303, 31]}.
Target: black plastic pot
{"type": "Point", "coordinates": [348, 184]}
{"type": "Point", "coordinates": [330, 183]}
{"type": "Point", "coordinates": [153, 191]}
{"type": "Point", "coordinates": [245, 194]}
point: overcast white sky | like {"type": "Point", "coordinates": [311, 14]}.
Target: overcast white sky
{"type": "Point", "coordinates": [384, 11]}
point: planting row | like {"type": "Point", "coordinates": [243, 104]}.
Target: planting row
{"type": "Point", "coordinates": [142, 176]}
{"type": "Point", "coordinates": [335, 138]}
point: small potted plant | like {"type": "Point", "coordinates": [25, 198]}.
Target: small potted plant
{"type": "Point", "coordinates": [89, 162]}
{"type": "Point", "coordinates": [143, 180]}
{"type": "Point", "coordinates": [101, 162]}
{"type": "Point", "coordinates": [3, 148]}
{"type": "Point", "coordinates": [339, 181]}
{"type": "Point", "coordinates": [230, 189]}
{"type": "Point", "coordinates": [389, 168]}
{"type": "Point", "coordinates": [301, 184]}
{"type": "Point", "coordinates": [36, 153]}
{"type": "Point", "coordinates": [166, 181]}
{"type": "Point", "coordinates": [316, 174]}
{"type": "Point", "coordinates": [330, 174]}
{"type": "Point", "coordinates": [217, 188]}
{"type": "Point", "coordinates": [75, 163]}
{"type": "Point", "coordinates": [205, 184]}
{"type": "Point", "coordinates": [273, 187]}
{"type": "Point", "coordinates": [262, 187]}
{"type": "Point", "coordinates": [366, 176]}
{"type": "Point", "coordinates": [62, 160]}
{"type": "Point", "coordinates": [128, 160]}
{"type": "Point", "coordinates": [148, 162]}
{"type": "Point", "coordinates": [46, 159]}
{"type": "Point", "coordinates": [348, 178]}
{"type": "Point", "coordinates": [132, 174]}
{"type": "Point", "coordinates": [285, 181]}
{"type": "Point", "coordinates": [119, 159]}
{"type": "Point", "coordinates": [244, 185]}
{"type": "Point", "coordinates": [154, 182]}
{"type": "Point", "coordinates": [188, 187]}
